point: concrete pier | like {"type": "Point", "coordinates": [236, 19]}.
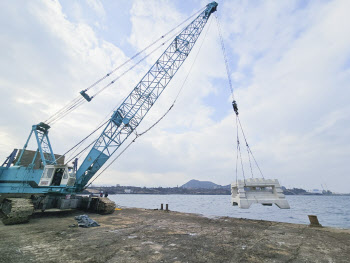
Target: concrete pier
{"type": "Point", "coordinates": [139, 235]}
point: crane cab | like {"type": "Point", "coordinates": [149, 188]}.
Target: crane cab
{"type": "Point", "coordinates": [57, 175]}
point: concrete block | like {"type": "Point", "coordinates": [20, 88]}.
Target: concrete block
{"type": "Point", "coordinates": [244, 193]}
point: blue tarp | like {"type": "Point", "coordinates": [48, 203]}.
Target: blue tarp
{"type": "Point", "coordinates": [85, 221]}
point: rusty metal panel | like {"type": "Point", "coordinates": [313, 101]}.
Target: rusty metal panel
{"type": "Point", "coordinates": [28, 156]}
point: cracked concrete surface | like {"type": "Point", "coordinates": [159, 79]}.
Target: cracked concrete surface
{"type": "Point", "coordinates": [139, 235]}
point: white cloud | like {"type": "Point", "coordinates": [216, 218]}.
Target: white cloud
{"type": "Point", "coordinates": [97, 6]}
{"type": "Point", "coordinates": [294, 82]}
{"type": "Point", "coordinates": [49, 60]}
{"type": "Point", "coordinates": [290, 66]}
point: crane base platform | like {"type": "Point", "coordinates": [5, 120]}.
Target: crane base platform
{"type": "Point", "coordinates": [267, 192]}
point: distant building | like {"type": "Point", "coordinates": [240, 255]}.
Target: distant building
{"type": "Point", "coordinates": [315, 191]}
{"type": "Point", "coordinates": [128, 191]}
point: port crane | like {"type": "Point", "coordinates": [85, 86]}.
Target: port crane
{"type": "Point", "coordinates": [40, 180]}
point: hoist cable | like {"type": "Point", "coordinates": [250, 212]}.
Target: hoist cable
{"type": "Point", "coordinates": [63, 109]}
{"type": "Point", "coordinates": [130, 68]}
{"type": "Point", "coordinates": [177, 93]}
{"type": "Point", "coordinates": [238, 122]}
{"type": "Point", "coordinates": [240, 157]}
{"type": "Point", "coordinates": [82, 140]}
{"type": "Point", "coordinates": [239, 151]}
{"type": "Point", "coordinates": [66, 111]}
{"type": "Point", "coordinates": [154, 124]}
{"type": "Point", "coordinates": [109, 85]}
{"type": "Point", "coordinates": [121, 100]}
{"type": "Point", "coordinates": [82, 100]}
{"type": "Point", "coordinates": [69, 105]}
{"type": "Point", "coordinates": [237, 156]}
{"type": "Point", "coordinates": [144, 49]}
{"type": "Point", "coordinates": [225, 55]}
{"type": "Point", "coordinates": [103, 122]}
{"type": "Point", "coordinates": [250, 163]}
{"type": "Point", "coordinates": [248, 147]}
{"type": "Point", "coordinates": [83, 150]}
{"type": "Point", "coordinates": [256, 163]}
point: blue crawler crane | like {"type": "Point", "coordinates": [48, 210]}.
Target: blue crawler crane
{"type": "Point", "coordinates": [40, 179]}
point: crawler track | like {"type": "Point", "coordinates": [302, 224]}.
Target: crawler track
{"type": "Point", "coordinates": [16, 210]}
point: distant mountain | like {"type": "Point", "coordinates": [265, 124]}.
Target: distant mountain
{"type": "Point", "coordinates": [195, 184]}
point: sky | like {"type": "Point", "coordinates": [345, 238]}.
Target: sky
{"type": "Point", "coordinates": [290, 68]}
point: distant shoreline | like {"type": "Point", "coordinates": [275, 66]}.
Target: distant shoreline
{"type": "Point", "coordinates": [196, 187]}
{"type": "Point", "coordinates": [150, 191]}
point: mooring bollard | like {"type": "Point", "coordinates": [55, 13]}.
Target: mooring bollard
{"type": "Point", "coordinates": [167, 207]}
{"type": "Point", "coordinates": [161, 206]}
{"type": "Point", "coordinates": [314, 221]}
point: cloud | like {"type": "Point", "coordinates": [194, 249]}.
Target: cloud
{"type": "Point", "coordinates": [289, 63]}
{"type": "Point", "coordinates": [97, 7]}
{"type": "Point", "coordinates": [48, 61]}
{"type": "Point", "coordinates": [150, 19]}
{"type": "Point", "coordinates": [290, 92]}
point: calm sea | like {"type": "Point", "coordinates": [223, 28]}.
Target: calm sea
{"type": "Point", "coordinates": [331, 210]}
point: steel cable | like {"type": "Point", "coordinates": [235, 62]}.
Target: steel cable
{"type": "Point", "coordinates": [75, 102]}
{"type": "Point", "coordinates": [238, 122]}
{"type": "Point", "coordinates": [81, 101]}
{"type": "Point", "coordinates": [248, 147]}
{"type": "Point", "coordinates": [82, 140]}
{"type": "Point", "coordinates": [154, 124]}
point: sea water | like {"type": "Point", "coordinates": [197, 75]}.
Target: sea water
{"type": "Point", "coordinates": [331, 210]}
